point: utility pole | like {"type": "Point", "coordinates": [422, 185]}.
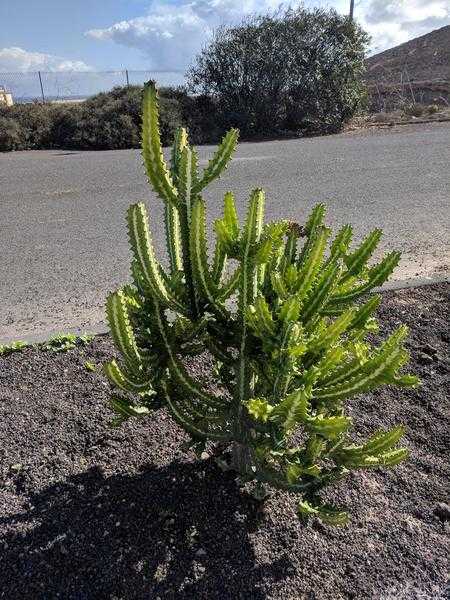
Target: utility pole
{"type": "Point", "coordinates": [352, 6]}
{"type": "Point", "coordinates": [126, 76]}
{"type": "Point", "coordinates": [42, 87]}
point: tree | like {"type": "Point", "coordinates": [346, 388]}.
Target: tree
{"type": "Point", "coordinates": [293, 70]}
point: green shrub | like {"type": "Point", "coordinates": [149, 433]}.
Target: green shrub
{"type": "Point", "coordinates": [107, 121]}
{"type": "Point", "coordinates": [99, 131]}
{"type": "Point", "coordinates": [11, 135]}
{"type": "Point", "coordinates": [66, 119]}
{"type": "Point", "coordinates": [33, 125]}
{"type": "Point", "coordinates": [198, 112]}
{"type": "Point", "coordinates": [295, 70]}
{"type": "Point", "coordinates": [35, 121]}
{"type": "Point", "coordinates": [113, 120]}
{"type": "Point", "coordinates": [17, 346]}
{"type": "Point", "coordinates": [66, 341]}
{"type": "Point", "coordinates": [286, 331]}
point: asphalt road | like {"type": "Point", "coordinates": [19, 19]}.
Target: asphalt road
{"type": "Point", "coordinates": [63, 242]}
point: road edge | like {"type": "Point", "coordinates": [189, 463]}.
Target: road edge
{"type": "Point", "coordinates": [101, 328]}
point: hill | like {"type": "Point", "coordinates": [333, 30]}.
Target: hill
{"type": "Point", "coordinates": [425, 58]}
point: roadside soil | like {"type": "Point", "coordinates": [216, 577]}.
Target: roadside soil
{"type": "Point", "coordinates": [88, 512]}
{"type": "Point", "coordinates": [398, 117]}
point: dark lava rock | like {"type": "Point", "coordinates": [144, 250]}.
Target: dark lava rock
{"type": "Point", "coordinates": [429, 349]}
{"type": "Point", "coordinates": [93, 513]}
{"type": "Point", "coordinates": [424, 359]}
{"type": "Point", "coordinates": [442, 511]}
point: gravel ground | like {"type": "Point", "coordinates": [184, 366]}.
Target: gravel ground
{"type": "Point", "coordinates": [87, 512]}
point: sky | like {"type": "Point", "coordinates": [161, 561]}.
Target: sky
{"type": "Point", "coordinates": [165, 35]}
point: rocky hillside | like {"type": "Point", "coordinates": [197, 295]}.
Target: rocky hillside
{"type": "Point", "coordinates": [425, 58]}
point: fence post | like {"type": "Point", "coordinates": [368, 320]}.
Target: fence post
{"type": "Point", "coordinates": [42, 87]}
{"type": "Point", "coordinates": [126, 76]}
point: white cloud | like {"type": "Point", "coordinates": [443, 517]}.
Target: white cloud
{"type": "Point", "coordinates": [171, 34]}
{"type": "Point", "coordinates": [17, 59]}
{"type": "Point", "coordinates": [393, 22]}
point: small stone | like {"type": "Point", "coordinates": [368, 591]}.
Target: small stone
{"type": "Point", "coordinates": [424, 359]}
{"type": "Point", "coordinates": [192, 531]}
{"type": "Point", "coordinates": [429, 349]}
{"type": "Point", "coordinates": [169, 523]}
{"type": "Point", "coordinates": [160, 573]}
{"type": "Point", "coordinates": [442, 511]}
{"type": "Point", "coordinates": [200, 552]}
{"type": "Point", "coordinates": [204, 456]}
{"type": "Point", "coordinates": [16, 467]}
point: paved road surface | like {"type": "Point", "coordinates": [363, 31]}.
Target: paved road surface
{"type": "Point", "coordinates": [63, 241]}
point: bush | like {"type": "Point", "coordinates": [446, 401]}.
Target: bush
{"type": "Point", "coordinates": [11, 135]}
{"type": "Point", "coordinates": [198, 114]}
{"type": "Point", "coordinates": [295, 70]}
{"type": "Point", "coordinates": [103, 131]}
{"type": "Point", "coordinates": [107, 121]}
{"type": "Point", "coordinates": [66, 119]}
{"type": "Point", "coordinates": [112, 120]}
{"type": "Point", "coordinates": [287, 354]}
{"type": "Point", "coordinates": [34, 123]}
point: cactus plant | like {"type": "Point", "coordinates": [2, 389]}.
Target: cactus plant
{"type": "Point", "coordinates": [282, 313]}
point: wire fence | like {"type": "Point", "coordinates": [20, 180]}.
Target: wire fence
{"type": "Point", "coordinates": [57, 86]}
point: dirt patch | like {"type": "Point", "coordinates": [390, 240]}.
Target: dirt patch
{"type": "Point", "coordinates": [88, 512]}
{"type": "Point", "coordinates": [395, 120]}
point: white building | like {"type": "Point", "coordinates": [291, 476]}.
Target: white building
{"type": "Point", "coordinates": [5, 97]}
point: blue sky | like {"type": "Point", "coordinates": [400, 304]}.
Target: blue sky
{"type": "Point", "coordinates": [58, 28]}
{"type": "Point", "coordinates": [62, 35]}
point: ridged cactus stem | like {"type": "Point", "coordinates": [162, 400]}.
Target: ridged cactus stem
{"type": "Point", "coordinates": [187, 265]}
{"type": "Point", "coordinates": [173, 237]}
{"type": "Point", "coordinates": [247, 291]}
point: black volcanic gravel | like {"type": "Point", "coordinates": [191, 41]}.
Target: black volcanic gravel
{"type": "Point", "coordinates": [88, 512]}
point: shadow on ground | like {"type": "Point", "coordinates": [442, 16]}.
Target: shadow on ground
{"type": "Point", "coordinates": [158, 533]}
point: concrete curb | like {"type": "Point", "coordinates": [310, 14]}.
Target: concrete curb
{"type": "Point", "coordinates": [410, 122]}
{"type": "Point", "coordinates": [101, 328]}
{"type": "Point", "coordinates": [412, 282]}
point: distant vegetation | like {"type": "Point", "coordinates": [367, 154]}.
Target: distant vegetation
{"type": "Point", "coordinates": [290, 73]}
{"type": "Point", "coordinates": [297, 70]}
{"type": "Point", "coordinates": [104, 122]}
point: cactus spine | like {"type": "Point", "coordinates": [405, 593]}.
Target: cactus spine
{"type": "Point", "coordinates": [284, 325]}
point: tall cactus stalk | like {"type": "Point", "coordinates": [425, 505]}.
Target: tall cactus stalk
{"type": "Point", "coordinates": [285, 315]}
